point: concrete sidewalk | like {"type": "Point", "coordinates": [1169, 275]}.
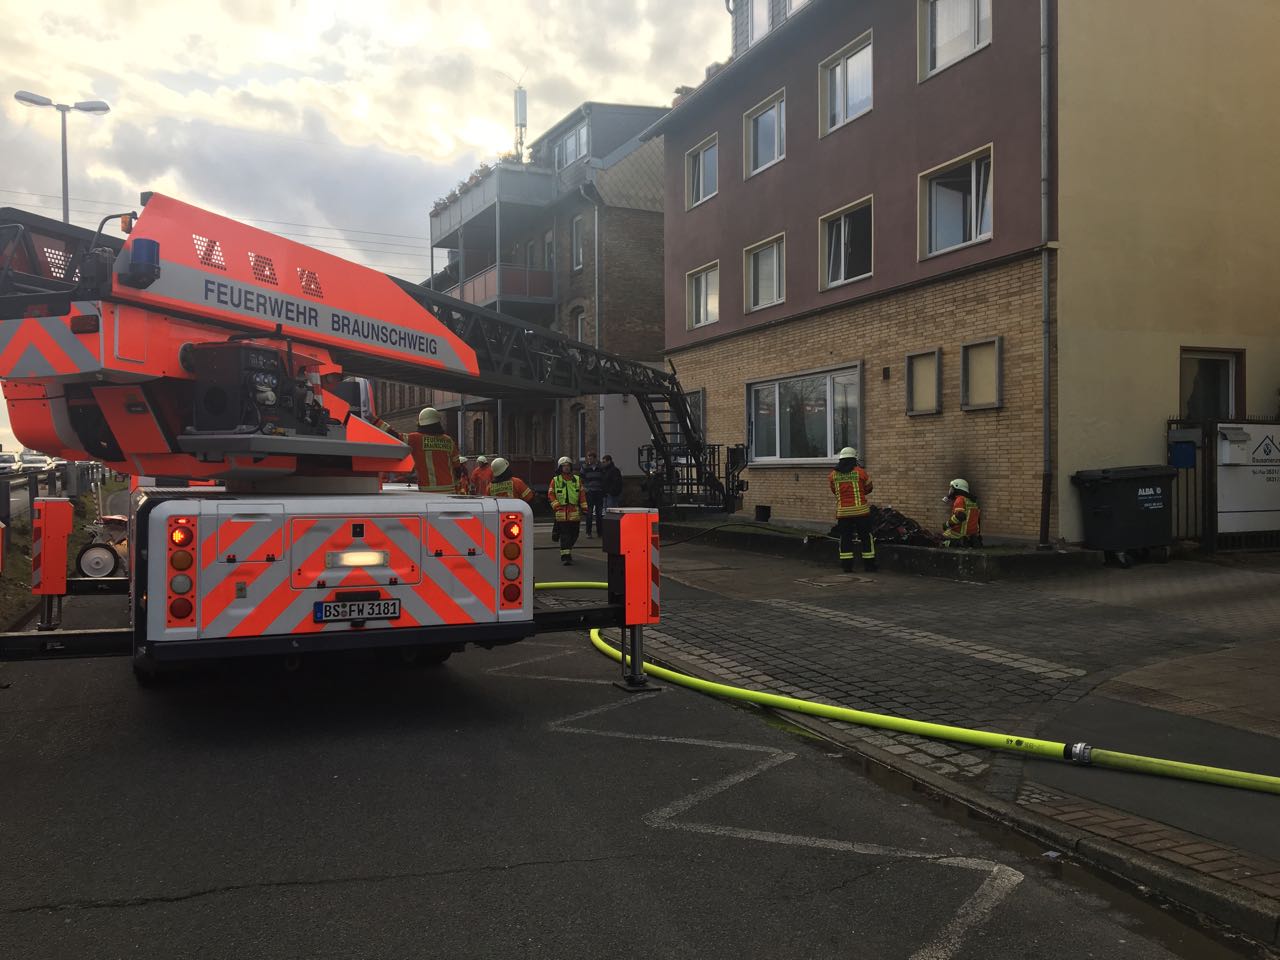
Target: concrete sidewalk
{"type": "Point", "coordinates": [1178, 661]}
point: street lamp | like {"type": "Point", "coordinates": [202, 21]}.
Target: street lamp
{"type": "Point", "coordinates": [84, 106]}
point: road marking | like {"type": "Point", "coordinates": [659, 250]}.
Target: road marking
{"type": "Point", "coordinates": [998, 884]}
{"type": "Point", "coordinates": [1048, 669]}
{"type": "Point", "coordinates": [501, 671]}
{"type": "Point", "coordinates": [974, 911]}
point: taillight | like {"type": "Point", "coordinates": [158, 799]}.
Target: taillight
{"type": "Point", "coordinates": [513, 568]}
{"type": "Point", "coordinates": [180, 611]}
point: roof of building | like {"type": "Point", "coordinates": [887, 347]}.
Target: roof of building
{"type": "Point", "coordinates": [584, 109]}
{"type": "Point", "coordinates": [718, 81]}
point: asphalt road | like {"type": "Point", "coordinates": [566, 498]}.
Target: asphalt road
{"type": "Point", "coordinates": [510, 804]}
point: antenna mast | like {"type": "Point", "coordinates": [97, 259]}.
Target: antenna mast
{"type": "Point", "coordinates": [522, 119]}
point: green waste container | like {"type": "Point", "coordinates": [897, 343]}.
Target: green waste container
{"type": "Point", "coordinates": [1126, 509]}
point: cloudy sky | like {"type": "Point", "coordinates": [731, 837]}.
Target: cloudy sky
{"type": "Point", "coordinates": [339, 122]}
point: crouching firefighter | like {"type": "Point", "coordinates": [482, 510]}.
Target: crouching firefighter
{"type": "Point", "coordinates": [506, 484]}
{"type": "Point", "coordinates": [851, 486]}
{"type": "Point", "coordinates": [964, 519]}
{"type": "Point", "coordinates": [568, 500]}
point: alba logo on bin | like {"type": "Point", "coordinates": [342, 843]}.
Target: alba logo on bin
{"type": "Point", "coordinates": [1148, 491]}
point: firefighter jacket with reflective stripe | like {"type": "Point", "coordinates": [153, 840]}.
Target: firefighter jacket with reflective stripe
{"type": "Point", "coordinates": [567, 496]}
{"type": "Point", "coordinates": [965, 519]}
{"type": "Point", "coordinates": [434, 456]}
{"type": "Point", "coordinates": [511, 487]}
{"type": "Point", "coordinates": [851, 490]}
{"type": "Point", "coordinates": [461, 482]}
{"type": "Point", "coordinates": [481, 477]}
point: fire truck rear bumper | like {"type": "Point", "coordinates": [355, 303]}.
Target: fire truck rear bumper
{"type": "Point", "coordinates": [485, 635]}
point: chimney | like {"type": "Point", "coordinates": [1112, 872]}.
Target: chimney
{"type": "Point", "coordinates": [681, 94]}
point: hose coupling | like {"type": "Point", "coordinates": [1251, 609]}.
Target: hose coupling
{"type": "Point", "coordinates": [1081, 753]}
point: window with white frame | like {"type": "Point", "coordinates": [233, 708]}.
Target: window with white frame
{"type": "Point", "coordinates": [959, 204]}
{"type": "Point", "coordinates": [702, 178]}
{"type": "Point", "coordinates": [1208, 384]}
{"type": "Point", "coordinates": [846, 244]}
{"type": "Point", "coordinates": [572, 147]}
{"type": "Point", "coordinates": [924, 383]}
{"type": "Point", "coordinates": [575, 242]}
{"type": "Point", "coordinates": [981, 384]}
{"type": "Point", "coordinates": [765, 269]}
{"type": "Point", "coordinates": [765, 134]}
{"type": "Point", "coordinates": [702, 296]}
{"type": "Point", "coordinates": [806, 418]}
{"type": "Point", "coordinates": [759, 21]}
{"type": "Point", "coordinates": [846, 84]}
{"type": "Point", "coordinates": [955, 29]}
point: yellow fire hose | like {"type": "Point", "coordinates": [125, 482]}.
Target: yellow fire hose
{"type": "Point", "coordinates": [1078, 753]}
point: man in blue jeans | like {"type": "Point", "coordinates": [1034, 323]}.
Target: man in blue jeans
{"type": "Point", "coordinates": [612, 482]}
{"type": "Point", "coordinates": [593, 483]}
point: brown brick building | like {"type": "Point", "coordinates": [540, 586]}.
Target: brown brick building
{"type": "Point", "coordinates": [571, 240]}
{"type": "Point", "coordinates": [886, 219]}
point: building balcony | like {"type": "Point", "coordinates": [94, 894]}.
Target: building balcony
{"type": "Point", "coordinates": [473, 215]}
{"type": "Point", "coordinates": [505, 281]}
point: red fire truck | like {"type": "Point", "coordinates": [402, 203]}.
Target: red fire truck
{"type": "Point", "coordinates": [202, 349]}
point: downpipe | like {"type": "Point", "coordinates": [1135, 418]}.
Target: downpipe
{"type": "Point", "coordinates": [1081, 754]}
{"type": "Point", "coordinates": [1046, 371]}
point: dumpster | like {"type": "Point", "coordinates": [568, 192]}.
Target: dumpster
{"type": "Point", "coordinates": [1127, 509]}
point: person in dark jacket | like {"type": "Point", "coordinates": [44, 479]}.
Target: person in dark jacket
{"type": "Point", "coordinates": [593, 483]}
{"type": "Point", "coordinates": [612, 482]}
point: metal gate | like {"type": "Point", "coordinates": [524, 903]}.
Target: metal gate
{"type": "Point", "coordinates": [1195, 496]}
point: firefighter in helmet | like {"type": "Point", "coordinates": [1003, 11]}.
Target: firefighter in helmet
{"type": "Point", "coordinates": [851, 486]}
{"type": "Point", "coordinates": [568, 501]}
{"type": "Point", "coordinates": [964, 518]}
{"type": "Point", "coordinates": [507, 484]}
{"type": "Point", "coordinates": [481, 476]}
{"type": "Point", "coordinates": [461, 480]}
{"type": "Point", "coordinates": [434, 453]}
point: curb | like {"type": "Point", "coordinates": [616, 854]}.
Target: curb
{"type": "Point", "coordinates": [1244, 912]}
{"type": "Point", "coordinates": [956, 564]}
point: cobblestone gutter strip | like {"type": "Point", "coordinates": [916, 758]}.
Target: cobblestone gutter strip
{"type": "Point", "coordinates": [981, 566]}
{"type": "Point", "coordinates": [1174, 865]}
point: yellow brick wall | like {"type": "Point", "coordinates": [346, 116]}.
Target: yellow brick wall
{"type": "Point", "coordinates": [910, 459]}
